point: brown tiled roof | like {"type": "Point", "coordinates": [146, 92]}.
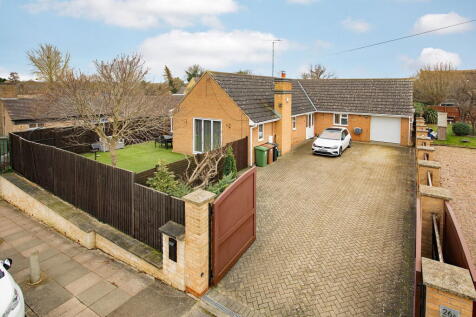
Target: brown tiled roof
{"type": "Point", "coordinates": [37, 109]}
{"type": "Point", "coordinates": [255, 95]}
{"type": "Point", "coordinates": [379, 96]}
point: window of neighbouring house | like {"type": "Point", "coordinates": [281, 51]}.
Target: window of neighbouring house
{"type": "Point", "coordinates": [260, 132]}
{"type": "Point", "coordinates": [293, 122]}
{"type": "Point", "coordinates": [341, 119]}
{"type": "Point", "coordinates": [207, 135]}
{"type": "Point", "coordinates": [36, 125]}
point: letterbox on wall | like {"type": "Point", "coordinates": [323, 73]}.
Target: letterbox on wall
{"type": "Point", "coordinates": [173, 248]}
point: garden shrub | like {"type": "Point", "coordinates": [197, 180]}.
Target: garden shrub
{"type": "Point", "coordinates": [461, 128]}
{"type": "Point", "coordinates": [229, 166]}
{"type": "Point", "coordinates": [220, 186]}
{"type": "Point", "coordinates": [419, 108]}
{"type": "Point", "coordinates": [164, 181]}
{"type": "Point", "coordinates": [431, 116]}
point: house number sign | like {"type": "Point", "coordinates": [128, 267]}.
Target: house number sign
{"type": "Point", "coordinates": [448, 312]}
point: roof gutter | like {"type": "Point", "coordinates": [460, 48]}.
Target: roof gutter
{"type": "Point", "coordinates": [369, 114]}
{"type": "Point", "coordinates": [254, 124]}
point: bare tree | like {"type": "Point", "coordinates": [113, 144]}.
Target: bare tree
{"type": "Point", "coordinates": [112, 103]}
{"type": "Point", "coordinates": [317, 72]}
{"type": "Point", "coordinates": [14, 77]}
{"type": "Point", "coordinates": [49, 62]}
{"type": "Point", "coordinates": [464, 92]}
{"type": "Point", "coordinates": [434, 83]}
{"type": "Point", "coordinates": [204, 168]}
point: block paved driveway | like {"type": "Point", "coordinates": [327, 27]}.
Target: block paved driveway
{"type": "Point", "coordinates": [81, 282]}
{"type": "Point", "coordinates": [335, 236]}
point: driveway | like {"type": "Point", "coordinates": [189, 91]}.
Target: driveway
{"type": "Point", "coordinates": [335, 236]}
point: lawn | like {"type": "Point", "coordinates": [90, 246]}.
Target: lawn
{"type": "Point", "coordinates": [139, 157]}
{"type": "Point", "coordinates": [453, 140]}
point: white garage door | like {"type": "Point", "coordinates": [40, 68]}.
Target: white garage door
{"type": "Point", "coordinates": [385, 129]}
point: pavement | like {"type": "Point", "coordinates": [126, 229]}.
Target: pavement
{"type": "Point", "coordinates": [458, 174]}
{"type": "Point", "coordinates": [335, 236]}
{"type": "Point", "coordinates": [81, 282]}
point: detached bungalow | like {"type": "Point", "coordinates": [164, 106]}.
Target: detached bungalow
{"type": "Point", "coordinates": [225, 107]}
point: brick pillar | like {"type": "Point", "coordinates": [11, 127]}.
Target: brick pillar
{"type": "Point", "coordinates": [432, 201]}
{"type": "Point", "coordinates": [433, 167]}
{"type": "Point", "coordinates": [449, 290]}
{"type": "Point", "coordinates": [197, 241]}
{"type": "Point", "coordinates": [173, 253]}
{"type": "Point", "coordinates": [423, 141]}
{"type": "Point", "coordinates": [425, 153]}
{"type": "Point", "coordinates": [421, 132]}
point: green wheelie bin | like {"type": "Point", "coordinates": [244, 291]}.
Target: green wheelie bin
{"type": "Point", "coordinates": [261, 156]}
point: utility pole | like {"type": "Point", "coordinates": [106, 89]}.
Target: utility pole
{"type": "Point", "coordinates": [272, 64]}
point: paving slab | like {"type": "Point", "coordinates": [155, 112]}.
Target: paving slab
{"type": "Point", "coordinates": [110, 302]}
{"type": "Point", "coordinates": [45, 297]}
{"type": "Point", "coordinates": [96, 292]}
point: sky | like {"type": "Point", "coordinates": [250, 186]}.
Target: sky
{"type": "Point", "coordinates": [232, 35]}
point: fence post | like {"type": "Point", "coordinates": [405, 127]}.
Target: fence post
{"type": "Point", "coordinates": [197, 241]}
{"type": "Point", "coordinates": [425, 153]}
{"type": "Point", "coordinates": [449, 289]}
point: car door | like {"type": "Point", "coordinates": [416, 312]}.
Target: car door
{"type": "Point", "coordinates": [346, 139]}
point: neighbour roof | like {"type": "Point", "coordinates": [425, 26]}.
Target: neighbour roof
{"type": "Point", "coordinates": [255, 95]}
{"type": "Point", "coordinates": [38, 109]}
{"type": "Point", "coordinates": [379, 96]}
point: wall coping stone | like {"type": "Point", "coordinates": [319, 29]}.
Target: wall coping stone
{"type": "Point", "coordinates": [426, 148]}
{"type": "Point", "coordinates": [448, 278]}
{"type": "Point", "coordinates": [85, 222]}
{"type": "Point", "coordinates": [423, 138]}
{"type": "Point", "coordinates": [199, 197]}
{"type": "Point", "coordinates": [435, 192]}
{"type": "Point", "coordinates": [174, 230]}
{"type": "Point", "coordinates": [426, 163]}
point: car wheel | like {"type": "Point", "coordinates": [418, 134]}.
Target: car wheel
{"type": "Point", "coordinates": [350, 143]}
{"type": "Point", "coordinates": [340, 151]}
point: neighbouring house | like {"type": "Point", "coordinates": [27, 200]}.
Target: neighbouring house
{"type": "Point", "coordinates": [20, 113]}
{"type": "Point", "coordinates": [225, 107]}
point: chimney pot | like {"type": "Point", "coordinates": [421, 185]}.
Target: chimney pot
{"type": "Point", "coordinates": [283, 74]}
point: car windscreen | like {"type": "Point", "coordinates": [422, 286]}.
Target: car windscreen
{"type": "Point", "coordinates": [330, 135]}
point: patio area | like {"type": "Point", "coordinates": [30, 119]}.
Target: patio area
{"type": "Point", "coordinates": [139, 157]}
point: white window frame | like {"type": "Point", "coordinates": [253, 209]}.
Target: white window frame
{"type": "Point", "coordinates": [293, 122]}
{"type": "Point", "coordinates": [261, 132]}
{"type": "Point", "coordinates": [340, 119]}
{"type": "Point", "coordinates": [193, 134]}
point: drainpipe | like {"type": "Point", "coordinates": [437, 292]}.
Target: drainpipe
{"type": "Point", "coordinates": [252, 125]}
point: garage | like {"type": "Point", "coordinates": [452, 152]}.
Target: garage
{"type": "Point", "coordinates": [385, 129]}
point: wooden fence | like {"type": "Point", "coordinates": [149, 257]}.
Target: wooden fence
{"type": "Point", "coordinates": [105, 192]}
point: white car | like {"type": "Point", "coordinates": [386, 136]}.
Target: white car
{"type": "Point", "coordinates": [11, 300]}
{"type": "Point", "coordinates": [332, 141]}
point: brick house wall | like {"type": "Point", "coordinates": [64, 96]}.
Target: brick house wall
{"type": "Point", "coordinates": [209, 101]}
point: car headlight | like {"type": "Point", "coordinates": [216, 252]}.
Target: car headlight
{"type": "Point", "coordinates": [13, 304]}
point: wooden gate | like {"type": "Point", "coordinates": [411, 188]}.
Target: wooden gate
{"type": "Point", "coordinates": [233, 224]}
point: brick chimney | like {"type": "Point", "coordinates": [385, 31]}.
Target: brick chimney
{"type": "Point", "coordinates": [282, 105]}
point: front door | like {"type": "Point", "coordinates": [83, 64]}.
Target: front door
{"type": "Point", "coordinates": [309, 126]}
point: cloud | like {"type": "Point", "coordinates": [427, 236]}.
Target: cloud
{"type": "Point", "coordinates": [435, 21]}
{"type": "Point", "coordinates": [302, 1]}
{"type": "Point", "coordinates": [211, 49]}
{"type": "Point", "coordinates": [139, 13]}
{"type": "Point", "coordinates": [358, 26]}
{"type": "Point", "coordinates": [321, 45]}
{"type": "Point", "coordinates": [431, 56]}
